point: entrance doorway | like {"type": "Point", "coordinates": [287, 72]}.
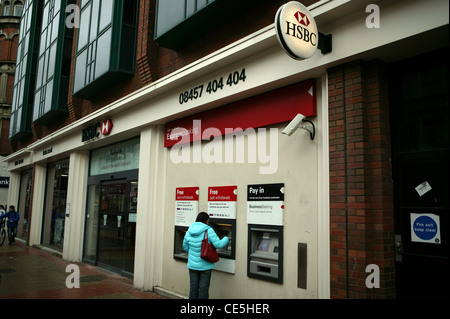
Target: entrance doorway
{"type": "Point", "coordinates": [117, 229]}
{"type": "Point", "coordinates": [420, 158]}
{"type": "Point", "coordinates": [111, 225]}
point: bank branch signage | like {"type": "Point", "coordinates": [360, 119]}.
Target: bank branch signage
{"type": "Point", "coordinates": [186, 205]}
{"type": "Point", "coordinates": [222, 202]}
{"type": "Point", "coordinates": [265, 204]}
{"type": "Point", "coordinates": [96, 130]}
{"type": "Point", "coordinates": [297, 30]}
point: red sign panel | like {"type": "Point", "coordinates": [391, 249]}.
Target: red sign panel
{"type": "Point", "coordinates": [270, 108]}
{"type": "Point", "coordinates": [187, 193]}
{"type": "Point", "coordinates": [222, 194]}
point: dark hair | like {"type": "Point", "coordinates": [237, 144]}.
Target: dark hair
{"type": "Point", "coordinates": [202, 217]}
{"type": "Point", "coordinates": [12, 206]}
{"type": "Point", "coordinates": [2, 207]}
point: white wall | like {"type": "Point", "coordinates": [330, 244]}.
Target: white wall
{"type": "Point", "coordinates": [298, 169]}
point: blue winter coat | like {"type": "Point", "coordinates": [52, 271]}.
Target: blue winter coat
{"type": "Point", "coordinates": [192, 243]}
{"type": "Point", "coordinates": [13, 218]}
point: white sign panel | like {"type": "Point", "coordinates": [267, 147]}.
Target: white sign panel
{"type": "Point", "coordinates": [425, 228]}
{"type": "Point", "coordinates": [423, 188]}
{"type": "Point", "coordinates": [265, 204]}
{"type": "Point", "coordinates": [186, 205]}
{"type": "Point", "coordinates": [222, 202]}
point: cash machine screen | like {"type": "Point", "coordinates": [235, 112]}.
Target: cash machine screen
{"type": "Point", "coordinates": [224, 229]}
{"type": "Point", "coordinates": [264, 245]}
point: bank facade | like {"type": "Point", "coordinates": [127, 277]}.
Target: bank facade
{"type": "Point", "coordinates": [99, 174]}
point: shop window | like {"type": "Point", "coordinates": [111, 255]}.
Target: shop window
{"type": "Point", "coordinates": [55, 204]}
{"type": "Point", "coordinates": [20, 124]}
{"type": "Point", "coordinates": [52, 81]}
{"type": "Point", "coordinates": [106, 45]}
{"type": "Point", "coordinates": [180, 21]}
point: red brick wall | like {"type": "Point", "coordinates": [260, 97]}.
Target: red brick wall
{"type": "Point", "coordinates": [361, 194]}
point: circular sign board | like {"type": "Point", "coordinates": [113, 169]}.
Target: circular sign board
{"type": "Point", "coordinates": [425, 228]}
{"type": "Point", "coordinates": [296, 30]}
{"type": "Point", "coordinates": [106, 127]}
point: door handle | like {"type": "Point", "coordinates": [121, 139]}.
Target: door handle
{"type": "Point", "coordinates": [398, 248]}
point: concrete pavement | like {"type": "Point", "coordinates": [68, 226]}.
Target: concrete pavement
{"type": "Point", "coordinates": [31, 273]}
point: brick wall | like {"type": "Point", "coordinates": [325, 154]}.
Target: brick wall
{"type": "Point", "coordinates": [361, 193]}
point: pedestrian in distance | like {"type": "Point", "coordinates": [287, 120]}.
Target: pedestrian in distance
{"type": "Point", "coordinates": [199, 269]}
{"type": "Point", "coordinates": [13, 221]}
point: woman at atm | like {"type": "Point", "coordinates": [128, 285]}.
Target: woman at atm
{"type": "Point", "coordinates": [200, 269]}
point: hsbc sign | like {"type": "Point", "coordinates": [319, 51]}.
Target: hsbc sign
{"type": "Point", "coordinates": [297, 30]}
{"type": "Point", "coordinates": [106, 127]}
{"type": "Point", "coordinates": [96, 130]}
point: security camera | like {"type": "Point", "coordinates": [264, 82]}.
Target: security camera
{"type": "Point", "coordinates": [297, 123]}
{"type": "Point", "coordinates": [294, 125]}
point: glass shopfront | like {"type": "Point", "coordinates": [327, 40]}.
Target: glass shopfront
{"type": "Point", "coordinates": [55, 204]}
{"type": "Point", "coordinates": [110, 230]}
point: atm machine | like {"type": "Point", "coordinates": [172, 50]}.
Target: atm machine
{"type": "Point", "coordinates": [265, 211]}
{"type": "Point", "coordinates": [225, 228]}
{"type": "Point", "coordinates": [178, 252]}
{"type": "Point", "coordinates": [265, 247]}
{"type": "Point", "coordinates": [222, 227]}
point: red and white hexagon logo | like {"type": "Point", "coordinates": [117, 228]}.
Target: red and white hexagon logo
{"type": "Point", "coordinates": [106, 127]}
{"type": "Point", "coordinates": [302, 18]}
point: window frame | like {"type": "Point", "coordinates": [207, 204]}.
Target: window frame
{"type": "Point", "coordinates": [22, 102]}
{"type": "Point", "coordinates": [18, 4]}
{"type": "Point", "coordinates": [47, 108]}
{"type": "Point", "coordinates": [86, 81]}
{"type": "Point", "coordinates": [196, 22]}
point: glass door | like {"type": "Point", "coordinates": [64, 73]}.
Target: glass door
{"type": "Point", "coordinates": [113, 213]}
{"type": "Point", "coordinates": [130, 227]}
{"type": "Point", "coordinates": [111, 225]}
{"type": "Point", "coordinates": [92, 223]}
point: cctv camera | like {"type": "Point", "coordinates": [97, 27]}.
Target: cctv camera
{"type": "Point", "coordinates": [294, 125]}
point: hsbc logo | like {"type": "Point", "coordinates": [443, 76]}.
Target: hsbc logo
{"type": "Point", "coordinates": [94, 131]}
{"type": "Point", "coordinates": [106, 127]}
{"type": "Point", "coordinates": [302, 18]}
{"type": "Point", "coordinates": [297, 30]}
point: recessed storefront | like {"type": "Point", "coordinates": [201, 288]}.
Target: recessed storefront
{"type": "Point", "coordinates": [55, 205]}
{"type": "Point", "coordinates": [24, 206]}
{"type": "Point", "coordinates": [110, 226]}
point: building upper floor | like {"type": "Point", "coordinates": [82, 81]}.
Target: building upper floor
{"type": "Point", "coordinates": [76, 56]}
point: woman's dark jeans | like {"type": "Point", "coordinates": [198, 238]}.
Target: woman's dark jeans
{"type": "Point", "coordinates": [199, 284]}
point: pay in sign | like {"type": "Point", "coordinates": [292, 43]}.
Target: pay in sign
{"type": "Point", "coordinates": [256, 191]}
